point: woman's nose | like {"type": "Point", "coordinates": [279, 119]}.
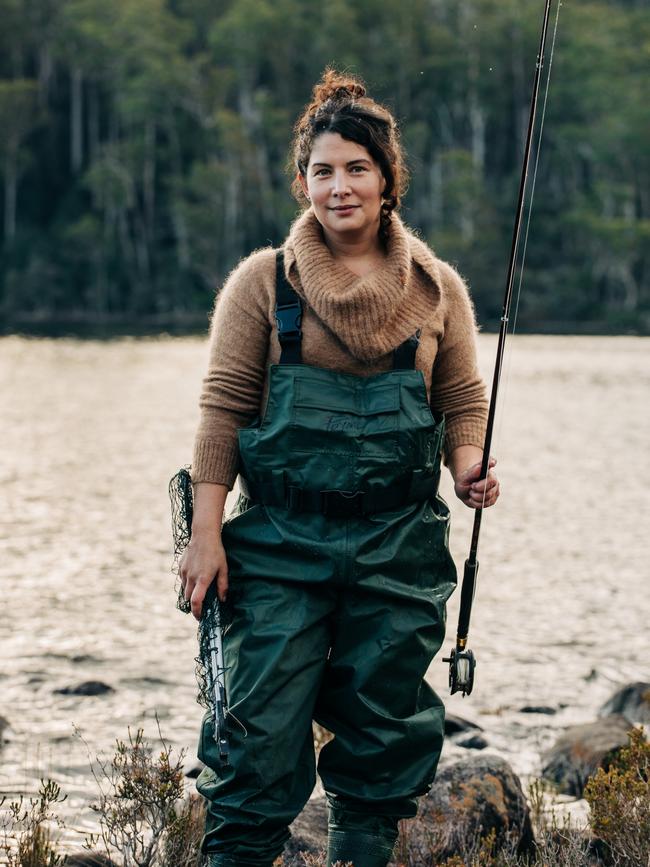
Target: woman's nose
{"type": "Point", "coordinates": [340, 185]}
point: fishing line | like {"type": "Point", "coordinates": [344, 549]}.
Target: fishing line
{"type": "Point", "coordinates": [538, 149]}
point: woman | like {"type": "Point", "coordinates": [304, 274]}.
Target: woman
{"type": "Point", "coordinates": [352, 342]}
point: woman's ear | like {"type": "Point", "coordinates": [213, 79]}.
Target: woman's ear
{"type": "Point", "coordinates": [303, 183]}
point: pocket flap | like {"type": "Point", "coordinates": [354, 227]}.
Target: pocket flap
{"type": "Point", "coordinates": [367, 401]}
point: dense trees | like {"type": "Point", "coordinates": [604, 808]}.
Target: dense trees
{"type": "Point", "coordinates": [144, 144]}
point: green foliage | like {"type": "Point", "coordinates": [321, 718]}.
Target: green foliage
{"type": "Point", "coordinates": [619, 799]}
{"type": "Point", "coordinates": [137, 806]}
{"type": "Point", "coordinates": [27, 833]}
{"type": "Point", "coordinates": [145, 145]}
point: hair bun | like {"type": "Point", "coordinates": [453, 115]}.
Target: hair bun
{"type": "Point", "coordinates": [338, 87]}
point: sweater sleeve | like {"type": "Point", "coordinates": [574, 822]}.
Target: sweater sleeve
{"type": "Point", "coordinates": [457, 388]}
{"type": "Point", "coordinates": [232, 388]}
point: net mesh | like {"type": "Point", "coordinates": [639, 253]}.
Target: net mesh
{"type": "Point", "coordinates": [214, 613]}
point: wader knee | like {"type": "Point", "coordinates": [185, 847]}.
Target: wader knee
{"type": "Point", "coordinates": [355, 835]}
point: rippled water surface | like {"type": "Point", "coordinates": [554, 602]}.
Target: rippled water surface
{"type": "Point", "coordinates": [92, 432]}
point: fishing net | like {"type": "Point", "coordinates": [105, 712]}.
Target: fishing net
{"type": "Point", "coordinates": [214, 613]}
{"type": "Point", "coordinates": [182, 502]}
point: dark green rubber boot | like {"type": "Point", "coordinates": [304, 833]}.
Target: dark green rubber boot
{"type": "Point", "coordinates": [363, 839]}
{"type": "Point", "coordinates": [359, 849]}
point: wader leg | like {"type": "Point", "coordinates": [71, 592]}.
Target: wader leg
{"type": "Point", "coordinates": [387, 721]}
{"type": "Point", "coordinates": [275, 651]}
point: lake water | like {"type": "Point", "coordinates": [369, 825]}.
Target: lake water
{"type": "Point", "coordinates": [92, 432]}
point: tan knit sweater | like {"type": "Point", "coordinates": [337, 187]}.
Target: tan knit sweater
{"type": "Point", "coordinates": [350, 324]}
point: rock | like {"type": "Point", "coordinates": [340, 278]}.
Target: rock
{"type": "Point", "coordinates": [633, 701]}
{"type": "Point", "coordinates": [308, 833]}
{"type": "Point", "coordinates": [456, 724]}
{"type": "Point", "coordinates": [538, 708]}
{"type": "Point", "coordinates": [467, 800]}
{"type": "Point", "coordinates": [581, 750]}
{"type": "Point", "coordinates": [87, 859]}
{"type": "Point", "coordinates": [473, 742]}
{"type": "Point", "coordinates": [88, 687]}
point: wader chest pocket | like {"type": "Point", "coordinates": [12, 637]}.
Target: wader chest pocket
{"type": "Point", "coordinates": [345, 420]}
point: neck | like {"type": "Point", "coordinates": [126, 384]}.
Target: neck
{"type": "Point", "coordinates": [353, 246]}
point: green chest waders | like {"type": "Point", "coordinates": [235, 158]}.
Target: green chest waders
{"type": "Point", "coordinates": [339, 572]}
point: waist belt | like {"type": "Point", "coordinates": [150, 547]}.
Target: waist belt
{"type": "Point", "coordinates": [341, 504]}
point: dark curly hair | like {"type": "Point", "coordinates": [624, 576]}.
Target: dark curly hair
{"type": "Point", "coordinates": [339, 104]}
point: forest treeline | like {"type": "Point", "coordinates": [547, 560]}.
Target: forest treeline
{"type": "Point", "coordinates": [143, 147]}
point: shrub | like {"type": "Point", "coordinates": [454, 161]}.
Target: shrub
{"type": "Point", "coordinates": [27, 840]}
{"type": "Point", "coordinates": [137, 807]}
{"type": "Point", "coordinates": [619, 799]}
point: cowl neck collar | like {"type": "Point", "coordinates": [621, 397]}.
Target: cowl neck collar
{"type": "Point", "coordinates": [372, 314]}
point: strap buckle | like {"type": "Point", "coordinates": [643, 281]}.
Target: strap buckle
{"type": "Point", "coordinates": [343, 504]}
{"type": "Point", "coordinates": [288, 318]}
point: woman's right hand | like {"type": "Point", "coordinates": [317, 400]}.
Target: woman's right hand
{"type": "Point", "coordinates": [202, 562]}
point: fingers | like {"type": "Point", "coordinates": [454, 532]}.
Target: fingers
{"type": "Point", "coordinates": [483, 494]}
{"type": "Point", "coordinates": [196, 596]}
{"type": "Point", "coordinates": [473, 472]}
{"type": "Point", "coordinates": [196, 600]}
{"type": "Point", "coordinates": [194, 591]}
{"type": "Point", "coordinates": [222, 584]}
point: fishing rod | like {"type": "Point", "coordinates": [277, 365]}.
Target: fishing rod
{"type": "Point", "coordinates": [462, 661]}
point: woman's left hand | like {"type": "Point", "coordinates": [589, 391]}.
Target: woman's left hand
{"type": "Point", "coordinates": [474, 493]}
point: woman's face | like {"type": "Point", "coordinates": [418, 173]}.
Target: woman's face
{"type": "Point", "coordinates": [345, 185]}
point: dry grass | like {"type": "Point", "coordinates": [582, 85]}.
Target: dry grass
{"type": "Point", "coordinates": [146, 820]}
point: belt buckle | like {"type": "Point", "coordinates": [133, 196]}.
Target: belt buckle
{"type": "Point", "coordinates": [342, 503]}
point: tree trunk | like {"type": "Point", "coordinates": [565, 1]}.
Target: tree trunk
{"type": "Point", "coordinates": [437, 201]}
{"type": "Point", "coordinates": [76, 120]}
{"type": "Point", "coordinates": [44, 72]}
{"type": "Point", "coordinates": [11, 185]}
{"type": "Point", "coordinates": [93, 119]}
{"type": "Point", "coordinates": [149, 180]}
{"type": "Point", "coordinates": [520, 105]}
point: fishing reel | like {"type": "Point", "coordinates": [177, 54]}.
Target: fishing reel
{"type": "Point", "coordinates": [461, 670]}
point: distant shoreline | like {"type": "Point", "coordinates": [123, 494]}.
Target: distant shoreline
{"type": "Point", "coordinates": [83, 326]}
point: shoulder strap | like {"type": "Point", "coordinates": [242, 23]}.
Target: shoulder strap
{"type": "Point", "coordinates": [404, 354]}
{"type": "Point", "coordinates": [288, 315]}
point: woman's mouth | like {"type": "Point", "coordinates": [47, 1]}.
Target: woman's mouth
{"type": "Point", "coordinates": [344, 209]}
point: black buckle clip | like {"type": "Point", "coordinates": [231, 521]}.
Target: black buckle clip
{"type": "Point", "coordinates": [293, 498]}
{"type": "Point", "coordinates": [288, 319]}
{"type": "Point", "coordinates": [342, 504]}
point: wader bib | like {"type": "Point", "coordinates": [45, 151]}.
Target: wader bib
{"type": "Point", "coordinates": [339, 572]}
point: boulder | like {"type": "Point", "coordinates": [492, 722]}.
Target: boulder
{"type": "Point", "coordinates": [455, 725]}
{"type": "Point", "coordinates": [472, 742]}
{"type": "Point", "coordinates": [88, 687]}
{"type": "Point", "coordinates": [632, 701]}
{"type": "Point", "coordinates": [87, 859]}
{"type": "Point", "coordinates": [581, 750]}
{"type": "Point", "coordinates": [538, 708]}
{"type": "Point", "coordinates": [467, 800]}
